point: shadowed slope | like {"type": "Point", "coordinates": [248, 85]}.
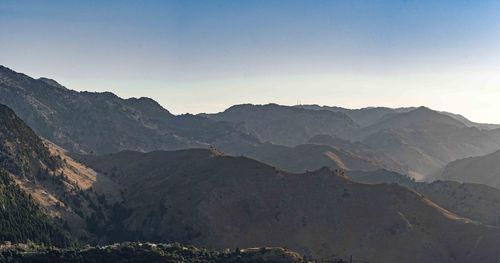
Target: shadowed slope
{"type": "Point", "coordinates": [481, 169]}
{"type": "Point", "coordinates": [201, 197]}
{"type": "Point", "coordinates": [103, 122]}
{"type": "Point", "coordinates": [286, 125]}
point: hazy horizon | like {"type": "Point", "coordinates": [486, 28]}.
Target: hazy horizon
{"type": "Point", "coordinates": [198, 56]}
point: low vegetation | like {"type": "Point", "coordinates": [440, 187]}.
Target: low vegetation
{"type": "Point", "coordinates": [21, 220]}
{"type": "Point", "coordinates": [145, 252]}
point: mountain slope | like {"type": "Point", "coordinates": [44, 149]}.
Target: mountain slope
{"type": "Point", "coordinates": [102, 122]}
{"type": "Point", "coordinates": [420, 140]}
{"type": "Point", "coordinates": [205, 198]}
{"type": "Point", "coordinates": [22, 152]}
{"type": "Point", "coordinates": [308, 157]}
{"type": "Point", "coordinates": [481, 169]}
{"type": "Point", "coordinates": [286, 125]}
{"type": "Point", "coordinates": [469, 123]}
{"type": "Point", "coordinates": [361, 151]}
{"type": "Point", "coordinates": [421, 118]}
{"type": "Point", "coordinates": [425, 140]}
{"type": "Point", "coordinates": [364, 116]}
{"type": "Point", "coordinates": [474, 201]}
{"type": "Point", "coordinates": [313, 156]}
{"type": "Point", "coordinates": [22, 221]}
{"type": "Point", "coordinates": [56, 183]}
{"type": "Point", "coordinates": [371, 115]}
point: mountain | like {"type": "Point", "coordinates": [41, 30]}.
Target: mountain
{"type": "Point", "coordinates": [22, 152]}
{"type": "Point", "coordinates": [205, 198]}
{"type": "Point", "coordinates": [361, 151]}
{"type": "Point", "coordinates": [23, 157]}
{"type": "Point", "coordinates": [371, 115]}
{"type": "Point", "coordinates": [480, 169]}
{"type": "Point", "coordinates": [469, 123]}
{"type": "Point", "coordinates": [419, 140]}
{"type": "Point", "coordinates": [285, 125]}
{"type": "Point", "coordinates": [425, 140]}
{"type": "Point", "coordinates": [421, 118]}
{"type": "Point", "coordinates": [102, 122]}
{"type": "Point", "coordinates": [364, 116]}
{"type": "Point", "coordinates": [322, 151]}
{"type": "Point", "coordinates": [54, 184]}
{"type": "Point", "coordinates": [474, 201]}
{"type": "Point", "coordinates": [309, 157]}
{"type": "Point", "coordinates": [64, 116]}
{"type": "Point", "coordinates": [22, 221]}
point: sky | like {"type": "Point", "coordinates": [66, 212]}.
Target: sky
{"type": "Point", "coordinates": [204, 56]}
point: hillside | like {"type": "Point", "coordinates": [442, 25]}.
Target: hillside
{"type": "Point", "coordinates": [421, 118]}
{"type": "Point", "coordinates": [419, 140]}
{"type": "Point", "coordinates": [286, 125]}
{"type": "Point", "coordinates": [22, 221]}
{"type": "Point", "coordinates": [60, 187]}
{"type": "Point", "coordinates": [425, 140]}
{"type": "Point", "coordinates": [219, 201]}
{"type": "Point", "coordinates": [364, 116]}
{"type": "Point", "coordinates": [64, 116]}
{"type": "Point", "coordinates": [361, 151]}
{"type": "Point", "coordinates": [474, 201]}
{"type": "Point", "coordinates": [309, 157]}
{"type": "Point", "coordinates": [22, 152]}
{"type": "Point", "coordinates": [481, 170]}
{"type": "Point", "coordinates": [371, 115]}
{"type": "Point", "coordinates": [469, 123]}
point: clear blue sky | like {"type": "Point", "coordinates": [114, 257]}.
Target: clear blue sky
{"type": "Point", "coordinates": [203, 56]}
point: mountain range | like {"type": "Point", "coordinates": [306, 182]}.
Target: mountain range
{"type": "Point", "coordinates": [205, 198]}
{"type": "Point", "coordinates": [479, 169]}
{"type": "Point", "coordinates": [326, 182]}
{"type": "Point", "coordinates": [415, 140]}
{"type": "Point", "coordinates": [420, 139]}
{"type": "Point", "coordinates": [64, 116]}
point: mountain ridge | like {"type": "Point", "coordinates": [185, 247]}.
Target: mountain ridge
{"type": "Point", "coordinates": [263, 205]}
{"type": "Point", "coordinates": [63, 116]}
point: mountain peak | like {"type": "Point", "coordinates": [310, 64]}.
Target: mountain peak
{"type": "Point", "coordinates": [52, 82]}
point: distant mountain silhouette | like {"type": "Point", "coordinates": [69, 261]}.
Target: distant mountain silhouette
{"type": "Point", "coordinates": [469, 123]}
{"type": "Point", "coordinates": [364, 116]}
{"type": "Point", "coordinates": [416, 141]}
{"type": "Point", "coordinates": [425, 140]}
{"type": "Point", "coordinates": [420, 139]}
{"type": "Point", "coordinates": [480, 169]}
{"type": "Point", "coordinates": [102, 122]}
{"type": "Point", "coordinates": [286, 125]}
{"type": "Point", "coordinates": [371, 115]}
